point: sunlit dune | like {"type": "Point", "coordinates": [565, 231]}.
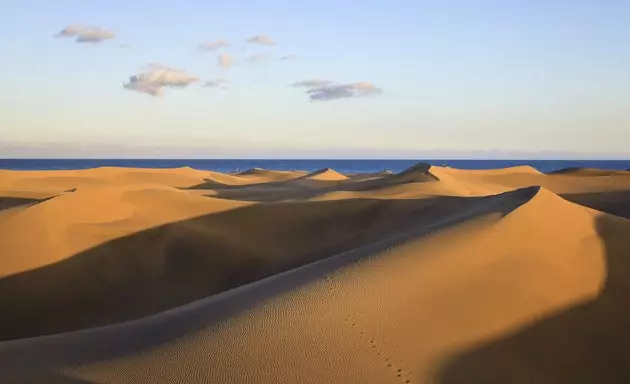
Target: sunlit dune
{"type": "Point", "coordinates": [430, 275]}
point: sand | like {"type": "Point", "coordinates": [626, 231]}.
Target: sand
{"type": "Point", "coordinates": [431, 275]}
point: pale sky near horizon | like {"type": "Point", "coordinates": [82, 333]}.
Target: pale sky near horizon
{"type": "Point", "coordinates": [400, 76]}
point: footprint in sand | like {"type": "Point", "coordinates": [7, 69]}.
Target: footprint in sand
{"type": "Point", "coordinates": [372, 343]}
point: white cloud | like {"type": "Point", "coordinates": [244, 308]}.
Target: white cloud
{"type": "Point", "coordinates": [225, 60]}
{"type": "Point", "coordinates": [156, 77]}
{"type": "Point", "coordinates": [288, 57]}
{"type": "Point", "coordinates": [86, 34]}
{"type": "Point", "coordinates": [261, 39]}
{"type": "Point", "coordinates": [213, 45]}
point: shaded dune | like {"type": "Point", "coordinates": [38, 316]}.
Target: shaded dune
{"type": "Point", "coordinates": [167, 266]}
{"type": "Point", "coordinates": [446, 211]}
{"type": "Point", "coordinates": [613, 202]}
{"type": "Point", "coordinates": [418, 173]}
{"type": "Point", "coordinates": [253, 171]}
{"type": "Point", "coordinates": [318, 183]}
{"type": "Point", "coordinates": [12, 202]}
{"type": "Point", "coordinates": [385, 172]}
{"type": "Point", "coordinates": [417, 169]}
{"type": "Point", "coordinates": [581, 171]}
{"type": "Point", "coordinates": [269, 186]}
{"type": "Point", "coordinates": [254, 177]}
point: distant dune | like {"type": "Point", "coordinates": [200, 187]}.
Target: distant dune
{"type": "Point", "coordinates": [326, 174]}
{"type": "Point", "coordinates": [430, 275]}
{"type": "Point", "coordinates": [419, 172]}
{"type": "Point", "coordinates": [578, 171]}
{"type": "Point", "coordinates": [268, 176]}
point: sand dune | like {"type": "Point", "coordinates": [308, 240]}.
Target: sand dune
{"type": "Point", "coordinates": [62, 180]}
{"type": "Point", "coordinates": [324, 183]}
{"type": "Point", "coordinates": [579, 171]}
{"type": "Point", "coordinates": [265, 175]}
{"type": "Point", "coordinates": [519, 169]}
{"type": "Point", "coordinates": [326, 174]}
{"type": "Point", "coordinates": [54, 229]}
{"type": "Point", "coordinates": [431, 275]}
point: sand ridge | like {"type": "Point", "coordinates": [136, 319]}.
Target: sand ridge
{"type": "Point", "coordinates": [430, 275]}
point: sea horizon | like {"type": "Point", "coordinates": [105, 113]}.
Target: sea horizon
{"type": "Point", "coordinates": [363, 165]}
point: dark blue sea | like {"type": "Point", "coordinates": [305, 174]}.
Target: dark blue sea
{"type": "Point", "coordinates": [344, 166]}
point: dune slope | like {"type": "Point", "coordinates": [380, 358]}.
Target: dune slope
{"type": "Point", "coordinates": [168, 265]}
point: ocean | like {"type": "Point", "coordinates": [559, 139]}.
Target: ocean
{"type": "Point", "coordinates": [343, 166]}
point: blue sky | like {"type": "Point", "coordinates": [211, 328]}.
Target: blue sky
{"type": "Point", "coordinates": [452, 77]}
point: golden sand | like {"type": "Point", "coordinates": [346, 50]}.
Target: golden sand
{"type": "Point", "coordinates": [431, 275]}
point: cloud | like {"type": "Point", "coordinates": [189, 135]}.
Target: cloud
{"type": "Point", "coordinates": [156, 77]}
{"type": "Point", "coordinates": [85, 34]}
{"type": "Point", "coordinates": [288, 57]}
{"type": "Point", "coordinates": [219, 82]}
{"type": "Point", "coordinates": [225, 60]}
{"type": "Point", "coordinates": [331, 91]}
{"type": "Point", "coordinates": [261, 39]}
{"type": "Point", "coordinates": [125, 45]}
{"type": "Point", "coordinates": [213, 45]}
{"type": "Point", "coordinates": [313, 83]}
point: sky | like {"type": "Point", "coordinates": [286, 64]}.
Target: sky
{"type": "Point", "coordinates": [328, 78]}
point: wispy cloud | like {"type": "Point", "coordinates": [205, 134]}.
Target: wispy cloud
{"type": "Point", "coordinates": [219, 82]}
{"type": "Point", "coordinates": [125, 45]}
{"type": "Point", "coordinates": [260, 39]}
{"type": "Point", "coordinates": [213, 45]}
{"type": "Point", "coordinates": [312, 83]}
{"type": "Point", "coordinates": [288, 57]}
{"type": "Point", "coordinates": [225, 60]}
{"type": "Point", "coordinates": [156, 77]}
{"type": "Point", "coordinates": [86, 34]}
{"type": "Point", "coordinates": [322, 90]}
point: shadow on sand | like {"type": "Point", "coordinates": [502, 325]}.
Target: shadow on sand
{"type": "Point", "coordinates": [588, 343]}
{"type": "Point", "coordinates": [38, 299]}
{"type": "Point", "coordinates": [13, 202]}
{"type": "Point", "coordinates": [170, 265]}
{"type": "Point", "coordinates": [304, 188]}
{"type": "Point", "coordinates": [613, 202]}
{"type": "Point", "coordinates": [48, 378]}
